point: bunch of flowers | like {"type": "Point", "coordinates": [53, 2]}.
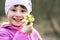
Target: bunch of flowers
{"type": "Point", "coordinates": [29, 19]}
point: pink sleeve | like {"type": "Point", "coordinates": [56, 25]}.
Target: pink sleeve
{"type": "Point", "coordinates": [4, 35]}
{"type": "Point", "coordinates": [36, 35]}
{"type": "Point", "coordinates": [20, 36]}
{"type": "Point", "coordinates": [4, 38]}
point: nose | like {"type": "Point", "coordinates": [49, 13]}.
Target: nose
{"type": "Point", "coordinates": [19, 15]}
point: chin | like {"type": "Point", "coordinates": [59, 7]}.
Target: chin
{"type": "Point", "coordinates": [16, 24]}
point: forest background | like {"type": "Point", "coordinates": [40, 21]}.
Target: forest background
{"type": "Point", "coordinates": [47, 17]}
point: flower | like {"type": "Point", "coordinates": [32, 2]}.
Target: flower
{"type": "Point", "coordinates": [29, 19]}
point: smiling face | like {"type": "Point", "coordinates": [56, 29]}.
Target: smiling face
{"type": "Point", "coordinates": [16, 14]}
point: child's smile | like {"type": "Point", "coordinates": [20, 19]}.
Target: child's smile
{"type": "Point", "coordinates": [18, 19]}
{"type": "Point", "coordinates": [16, 15]}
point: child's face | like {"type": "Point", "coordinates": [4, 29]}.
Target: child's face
{"type": "Point", "coordinates": [16, 15]}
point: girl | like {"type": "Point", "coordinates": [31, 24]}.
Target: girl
{"type": "Point", "coordinates": [16, 10]}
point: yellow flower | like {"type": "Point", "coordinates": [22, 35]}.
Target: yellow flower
{"type": "Point", "coordinates": [29, 18]}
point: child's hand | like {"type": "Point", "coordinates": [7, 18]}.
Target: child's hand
{"type": "Point", "coordinates": [28, 25]}
{"type": "Point", "coordinates": [27, 28]}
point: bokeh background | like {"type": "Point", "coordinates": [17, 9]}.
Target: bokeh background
{"type": "Point", "coordinates": [47, 17]}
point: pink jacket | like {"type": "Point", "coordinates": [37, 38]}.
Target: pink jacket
{"type": "Point", "coordinates": [8, 32]}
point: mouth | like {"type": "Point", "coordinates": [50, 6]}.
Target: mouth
{"type": "Point", "coordinates": [17, 20]}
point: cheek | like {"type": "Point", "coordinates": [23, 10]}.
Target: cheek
{"type": "Point", "coordinates": [25, 14]}
{"type": "Point", "coordinates": [9, 16]}
{"type": "Point", "coordinates": [10, 13]}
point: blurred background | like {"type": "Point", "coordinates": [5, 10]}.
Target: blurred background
{"type": "Point", "coordinates": [47, 18]}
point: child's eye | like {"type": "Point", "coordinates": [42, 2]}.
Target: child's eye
{"type": "Point", "coordinates": [13, 10]}
{"type": "Point", "coordinates": [23, 11]}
